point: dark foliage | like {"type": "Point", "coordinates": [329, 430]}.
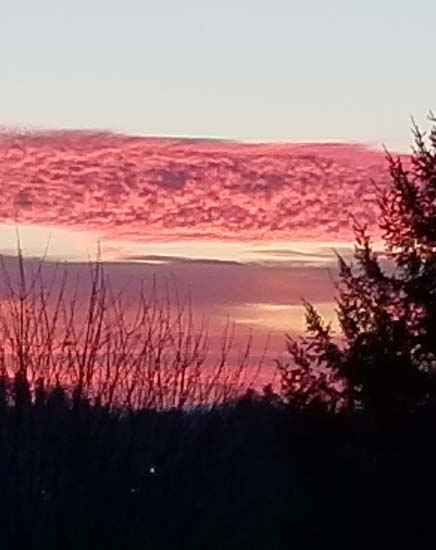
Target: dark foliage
{"type": "Point", "coordinates": [75, 475]}
{"type": "Point", "coordinates": [386, 307]}
{"type": "Point", "coordinates": [250, 474]}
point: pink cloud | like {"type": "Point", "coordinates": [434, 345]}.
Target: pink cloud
{"type": "Point", "coordinates": [162, 189]}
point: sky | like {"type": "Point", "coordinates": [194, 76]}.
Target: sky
{"type": "Point", "coordinates": [246, 230]}
{"type": "Point", "coordinates": [225, 143]}
{"type": "Point", "coordinates": [243, 70]}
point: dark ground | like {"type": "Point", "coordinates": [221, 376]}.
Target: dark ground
{"type": "Point", "coordinates": [249, 474]}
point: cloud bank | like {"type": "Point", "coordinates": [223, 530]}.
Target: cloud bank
{"type": "Point", "coordinates": [164, 189]}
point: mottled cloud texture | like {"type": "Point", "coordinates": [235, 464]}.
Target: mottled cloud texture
{"type": "Point", "coordinates": [221, 218]}
{"type": "Point", "coordinates": [162, 189]}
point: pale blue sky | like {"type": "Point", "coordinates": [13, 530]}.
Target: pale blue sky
{"type": "Point", "coordinates": [280, 70]}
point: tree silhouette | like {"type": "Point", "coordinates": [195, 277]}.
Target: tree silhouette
{"type": "Point", "coordinates": [386, 304]}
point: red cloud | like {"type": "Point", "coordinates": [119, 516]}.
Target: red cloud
{"type": "Point", "coordinates": [143, 188]}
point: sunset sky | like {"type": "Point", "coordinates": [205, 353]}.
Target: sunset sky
{"type": "Point", "coordinates": [225, 143]}
{"type": "Point", "coordinates": [246, 230]}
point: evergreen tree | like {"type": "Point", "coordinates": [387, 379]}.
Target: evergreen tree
{"type": "Point", "coordinates": [386, 304]}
